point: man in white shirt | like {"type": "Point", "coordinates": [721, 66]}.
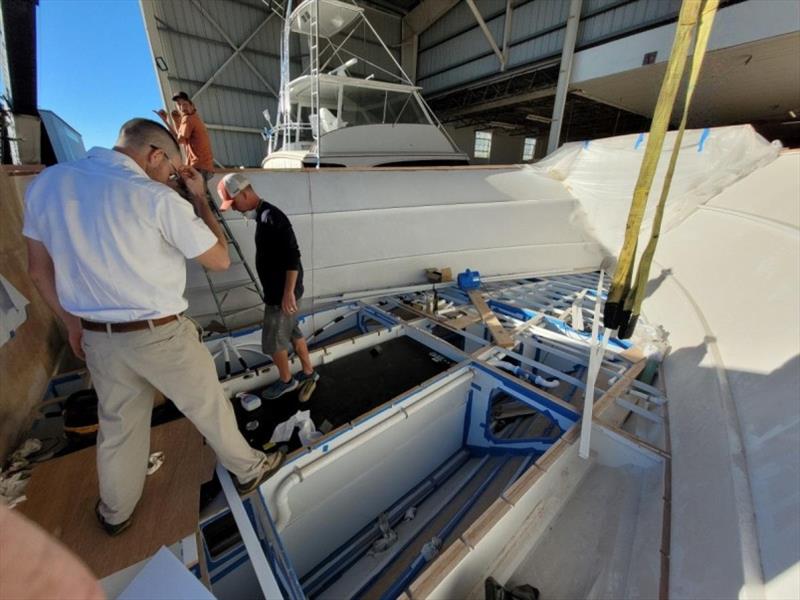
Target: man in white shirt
{"type": "Point", "coordinates": [107, 240]}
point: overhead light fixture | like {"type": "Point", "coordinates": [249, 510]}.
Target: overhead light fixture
{"type": "Point", "coordinates": [501, 125]}
{"type": "Point", "coordinates": [793, 114]}
{"type": "Point", "coordinates": [538, 118]}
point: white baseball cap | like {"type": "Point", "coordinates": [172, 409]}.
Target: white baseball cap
{"type": "Point", "coordinates": [228, 188]}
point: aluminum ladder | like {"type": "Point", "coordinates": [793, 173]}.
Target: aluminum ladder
{"type": "Point", "coordinates": [221, 292]}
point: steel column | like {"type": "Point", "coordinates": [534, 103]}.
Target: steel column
{"type": "Point", "coordinates": [565, 74]}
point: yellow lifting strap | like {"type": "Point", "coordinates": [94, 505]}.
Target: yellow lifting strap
{"type": "Point", "coordinates": [620, 302]}
{"type": "Point", "coordinates": [636, 295]}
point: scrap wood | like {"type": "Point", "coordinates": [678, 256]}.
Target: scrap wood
{"type": "Point", "coordinates": [463, 321]}
{"type": "Point", "coordinates": [502, 337]}
{"type": "Point", "coordinates": [620, 386]}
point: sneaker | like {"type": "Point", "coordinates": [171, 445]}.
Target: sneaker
{"type": "Point", "coordinates": [279, 388]}
{"type": "Point", "coordinates": [110, 529]}
{"type": "Point", "coordinates": [272, 463]}
{"type": "Point", "coordinates": [308, 383]}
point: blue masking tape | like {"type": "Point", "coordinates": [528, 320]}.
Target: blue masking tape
{"type": "Point", "coordinates": [703, 138]}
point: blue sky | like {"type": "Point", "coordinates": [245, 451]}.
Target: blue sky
{"type": "Point", "coordinates": [94, 65]}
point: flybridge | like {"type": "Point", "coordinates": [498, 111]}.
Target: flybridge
{"type": "Point", "coordinates": [327, 117]}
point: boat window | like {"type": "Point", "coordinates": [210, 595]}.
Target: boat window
{"type": "Point", "coordinates": [483, 144]}
{"type": "Point", "coordinates": [363, 106]}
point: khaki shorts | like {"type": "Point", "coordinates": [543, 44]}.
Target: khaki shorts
{"type": "Point", "coordinates": [278, 330]}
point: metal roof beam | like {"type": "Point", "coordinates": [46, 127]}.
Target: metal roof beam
{"type": "Point", "coordinates": [164, 26]}
{"type": "Point", "coordinates": [233, 128]}
{"type": "Point", "coordinates": [236, 53]}
{"type": "Point", "coordinates": [511, 100]}
{"type": "Point", "coordinates": [148, 8]}
{"type": "Point", "coordinates": [426, 13]}
{"type": "Point", "coordinates": [386, 8]}
{"type": "Point", "coordinates": [216, 26]}
{"type": "Point", "coordinates": [230, 88]}
{"type": "Point", "coordinates": [487, 34]}
{"type": "Point", "coordinates": [507, 31]}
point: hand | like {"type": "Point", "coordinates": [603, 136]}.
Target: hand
{"type": "Point", "coordinates": [289, 304]}
{"type": "Point", "coordinates": [161, 113]}
{"type": "Point", "coordinates": [194, 182]}
{"type": "Point", "coordinates": [75, 335]}
{"type": "Point", "coordinates": [176, 116]}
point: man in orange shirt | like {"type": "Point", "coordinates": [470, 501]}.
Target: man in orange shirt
{"type": "Point", "coordinates": [191, 132]}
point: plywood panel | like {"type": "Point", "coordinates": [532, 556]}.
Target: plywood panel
{"type": "Point", "coordinates": [28, 359]}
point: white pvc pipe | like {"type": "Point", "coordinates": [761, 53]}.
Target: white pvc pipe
{"type": "Point", "coordinates": [281, 495]}
{"type": "Point", "coordinates": [596, 353]}
{"type": "Point", "coordinates": [539, 381]}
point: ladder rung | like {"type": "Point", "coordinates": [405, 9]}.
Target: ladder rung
{"type": "Point", "coordinates": [227, 313]}
{"type": "Point", "coordinates": [226, 287]}
{"type": "Point", "coordinates": [238, 311]}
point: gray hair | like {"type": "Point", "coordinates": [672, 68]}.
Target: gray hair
{"type": "Point", "coordinates": [142, 133]}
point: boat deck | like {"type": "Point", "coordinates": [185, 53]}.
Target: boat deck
{"type": "Point", "coordinates": [348, 388]}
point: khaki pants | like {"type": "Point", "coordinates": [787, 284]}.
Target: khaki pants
{"type": "Point", "coordinates": [127, 369]}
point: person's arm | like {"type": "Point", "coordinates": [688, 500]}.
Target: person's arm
{"type": "Point", "coordinates": [185, 130]}
{"type": "Point", "coordinates": [215, 258]}
{"type": "Point", "coordinates": [292, 266]}
{"type": "Point", "coordinates": [289, 302]}
{"type": "Point", "coordinates": [43, 274]}
{"type": "Point", "coordinates": [167, 121]}
{"type": "Point", "coordinates": [34, 564]}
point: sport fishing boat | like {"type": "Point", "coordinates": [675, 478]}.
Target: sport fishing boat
{"type": "Point", "coordinates": [327, 117]}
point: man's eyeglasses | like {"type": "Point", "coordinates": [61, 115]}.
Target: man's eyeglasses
{"type": "Point", "coordinates": [174, 176]}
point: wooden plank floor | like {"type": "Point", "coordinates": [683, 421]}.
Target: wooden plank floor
{"type": "Point", "coordinates": [62, 494]}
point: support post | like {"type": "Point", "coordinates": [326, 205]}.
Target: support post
{"type": "Point", "coordinates": [408, 51]}
{"type": "Point", "coordinates": [596, 351]}
{"type": "Point", "coordinates": [565, 74]}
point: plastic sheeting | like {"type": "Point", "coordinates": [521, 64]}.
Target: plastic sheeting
{"type": "Point", "coordinates": [602, 174]}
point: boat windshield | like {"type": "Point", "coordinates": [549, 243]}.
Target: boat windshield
{"type": "Point", "coordinates": [344, 102]}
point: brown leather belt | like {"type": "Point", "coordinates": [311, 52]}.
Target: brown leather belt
{"type": "Point", "coordinates": [129, 326]}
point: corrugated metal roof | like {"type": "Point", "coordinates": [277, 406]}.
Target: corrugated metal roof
{"type": "Point", "coordinates": [454, 52]}
{"type": "Point", "coordinates": [193, 40]}
{"type": "Point", "coordinates": [458, 20]}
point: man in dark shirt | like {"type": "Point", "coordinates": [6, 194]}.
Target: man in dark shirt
{"type": "Point", "coordinates": [281, 274]}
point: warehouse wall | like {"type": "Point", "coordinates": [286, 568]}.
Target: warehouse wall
{"type": "Point", "coordinates": [506, 149]}
{"type": "Point", "coordinates": [454, 50]}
